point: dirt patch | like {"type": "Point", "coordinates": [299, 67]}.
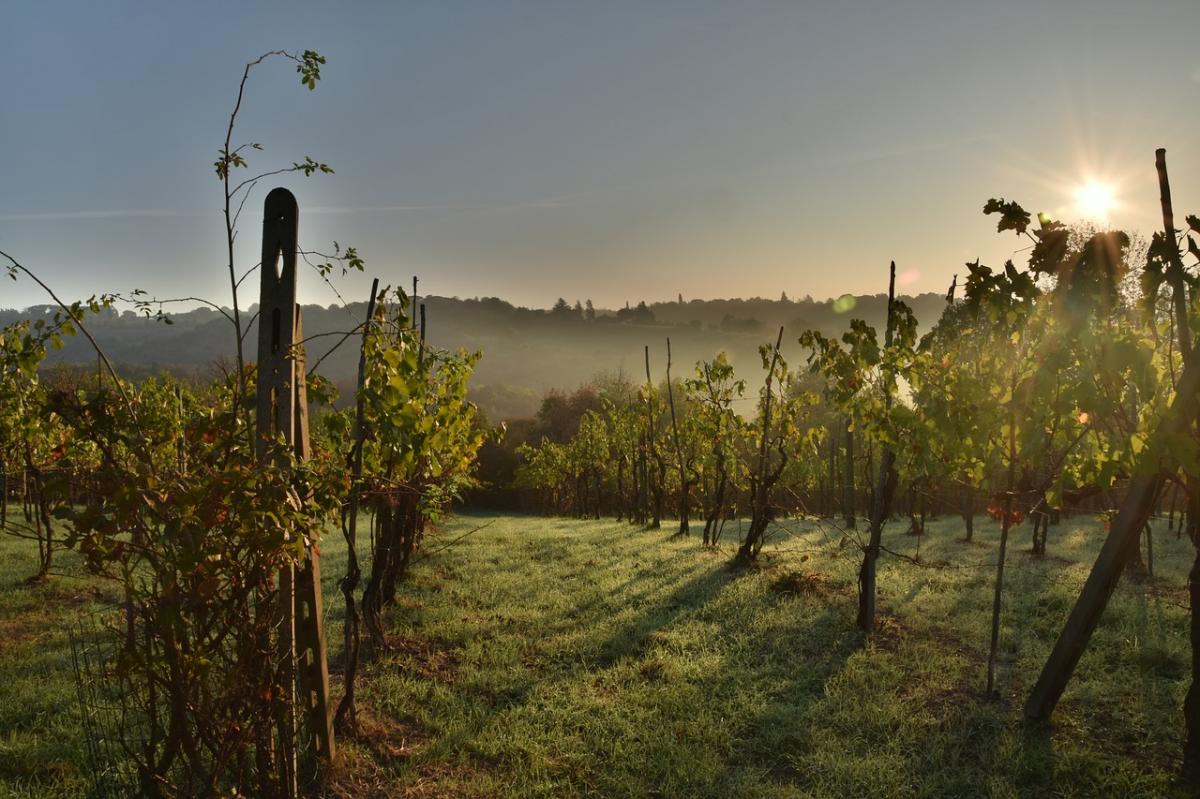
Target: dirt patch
{"type": "Point", "coordinates": [430, 659]}
{"type": "Point", "coordinates": [388, 739]}
{"type": "Point", "coordinates": [373, 755]}
{"type": "Point", "coordinates": [794, 583]}
{"type": "Point", "coordinates": [377, 760]}
{"type": "Point", "coordinates": [435, 781]}
{"type": "Point", "coordinates": [890, 632]}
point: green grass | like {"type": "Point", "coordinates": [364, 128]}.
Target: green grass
{"type": "Point", "coordinates": [552, 657]}
{"type": "Point", "coordinates": [41, 747]}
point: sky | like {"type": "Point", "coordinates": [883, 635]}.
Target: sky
{"type": "Point", "coordinates": [604, 150]}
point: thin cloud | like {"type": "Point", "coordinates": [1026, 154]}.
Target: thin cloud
{"type": "Point", "coordinates": [375, 209]}
{"type": "Point", "coordinates": [160, 213]}
{"type": "Point", "coordinates": [126, 213]}
{"type": "Point", "coordinates": [385, 209]}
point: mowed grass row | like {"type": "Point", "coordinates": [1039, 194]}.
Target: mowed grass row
{"type": "Point", "coordinates": [554, 657]}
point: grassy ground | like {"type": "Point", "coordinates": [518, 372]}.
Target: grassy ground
{"type": "Point", "coordinates": [548, 657]}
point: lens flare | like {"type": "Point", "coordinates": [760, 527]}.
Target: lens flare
{"type": "Point", "coordinates": [844, 303]}
{"type": "Point", "coordinates": [1094, 200]}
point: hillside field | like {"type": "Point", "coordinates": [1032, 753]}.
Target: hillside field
{"type": "Point", "coordinates": [549, 657]}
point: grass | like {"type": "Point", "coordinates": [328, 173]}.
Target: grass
{"type": "Point", "coordinates": [553, 657]}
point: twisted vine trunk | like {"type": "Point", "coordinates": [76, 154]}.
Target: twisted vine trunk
{"type": "Point", "coordinates": [349, 583]}
{"type": "Point", "coordinates": [684, 485]}
{"type": "Point", "coordinates": [711, 528]}
{"type": "Point", "coordinates": [39, 510]}
{"type": "Point", "coordinates": [881, 501]}
{"type": "Point", "coordinates": [1004, 528]}
{"type": "Point", "coordinates": [848, 477]}
{"type": "Point", "coordinates": [969, 514]}
{"type": "Point", "coordinates": [761, 484]}
{"type": "Point", "coordinates": [398, 526]}
{"type": "Point", "coordinates": [656, 486]}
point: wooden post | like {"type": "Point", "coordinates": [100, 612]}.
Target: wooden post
{"type": "Point", "coordinates": [1177, 271]}
{"type": "Point", "coordinates": [1134, 510]}
{"type": "Point", "coordinates": [421, 346]}
{"type": "Point", "coordinates": [414, 302]}
{"type": "Point", "coordinates": [283, 411]}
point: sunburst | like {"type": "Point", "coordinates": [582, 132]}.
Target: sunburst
{"type": "Point", "coordinates": [1095, 200]}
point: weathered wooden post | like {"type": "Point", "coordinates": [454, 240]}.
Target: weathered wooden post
{"type": "Point", "coordinates": [283, 411]}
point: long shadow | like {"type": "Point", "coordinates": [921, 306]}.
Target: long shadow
{"type": "Point", "coordinates": [489, 705]}
{"type": "Point", "coordinates": [788, 743]}
{"type": "Point", "coordinates": [634, 591]}
{"type": "Point", "coordinates": [692, 595]}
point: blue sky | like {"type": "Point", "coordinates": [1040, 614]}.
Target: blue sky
{"type": "Point", "coordinates": [605, 150]}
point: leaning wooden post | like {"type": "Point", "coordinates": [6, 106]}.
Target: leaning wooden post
{"type": "Point", "coordinates": [282, 410]}
{"type": "Point", "coordinates": [1134, 511]}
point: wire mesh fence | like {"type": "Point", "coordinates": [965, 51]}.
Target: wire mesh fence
{"type": "Point", "coordinates": [124, 721]}
{"type": "Point", "coordinates": [104, 708]}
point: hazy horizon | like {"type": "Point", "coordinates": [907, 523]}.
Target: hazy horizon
{"type": "Point", "coordinates": [185, 307]}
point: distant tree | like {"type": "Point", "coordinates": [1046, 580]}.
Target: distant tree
{"type": "Point", "coordinates": [681, 298]}
{"type": "Point", "coordinates": [559, 415]}
{"type": "Point", "coordinates": [783, 297]}
{"type": "Point", "coordinates": [589, 310]}
{"type": "Point", "coordinates": [561, 308]}
{"type": "Point", "coordinates": [578, 309]}
{"type": "Point", "coordinates": [640, 315]}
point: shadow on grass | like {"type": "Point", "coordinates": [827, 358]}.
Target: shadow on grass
{"type": "Point", "coordinates": [630, 640]}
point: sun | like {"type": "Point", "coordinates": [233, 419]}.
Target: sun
{"type": "Point", "coordinates": [1094, 200]}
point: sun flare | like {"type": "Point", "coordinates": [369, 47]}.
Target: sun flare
{"type": "Point", "coordinates": [1094, 200]}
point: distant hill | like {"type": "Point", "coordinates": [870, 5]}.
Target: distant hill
{"type": "Point", "coordinates": [526, 351]}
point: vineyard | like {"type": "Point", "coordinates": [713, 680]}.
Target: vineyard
{"type": "Point", "coordinates": [886, 563]}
